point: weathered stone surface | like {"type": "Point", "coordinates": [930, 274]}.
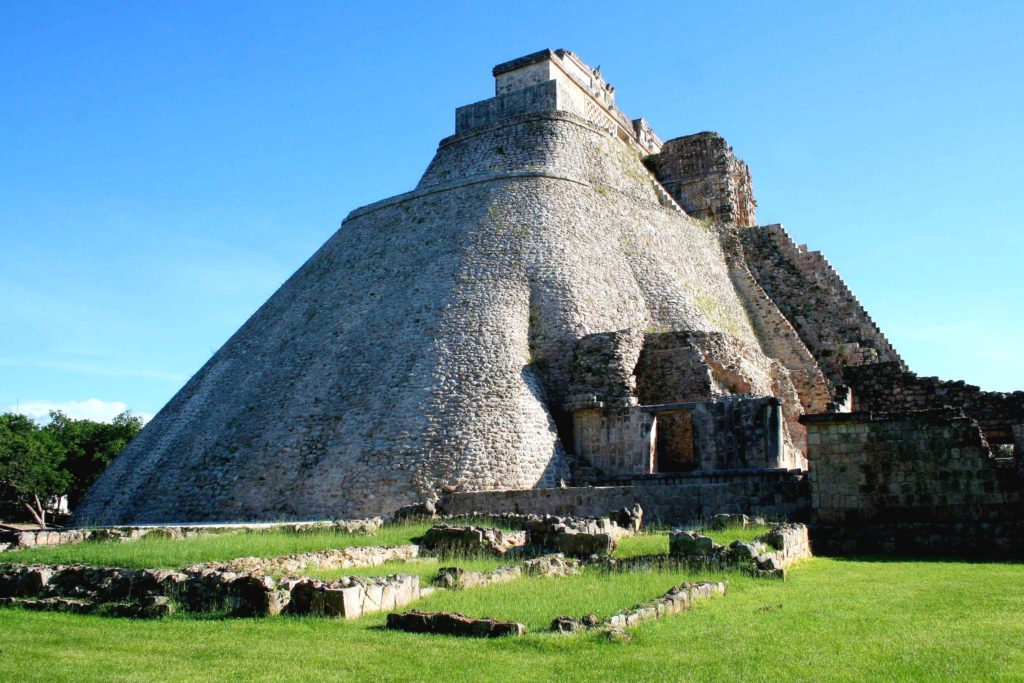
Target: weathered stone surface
{"type": "Point", "coordinates": [147, 593]}
{"type": "Point", "coordinates": [631, 518]}
{"type": "Point", "coordinates": [685, 543]}
{"type": "Point", "coordinates": [929, 466]}
{"type": "Point", "coordinates": [350, 597]}
{"type": "Point", "coordinates": [253, 595]}
{"type": "Point", "coordinates": [676, 600]}
{"type": "Point", "coordinates": [471, 540]}
{"type": "Point", "coordinates": [552, 565]}
{"type": "Point", "coordinates": [578, 536]}
{"type": "Point", "coordinates": [585, 544]}
{"type": "Point", "coordinates": [817, 302]}
{"type": "Point", "coordinates": [453, 624]}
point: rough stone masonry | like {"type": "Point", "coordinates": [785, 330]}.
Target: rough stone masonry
{"type": "Point", "coordinates": [563, 299]}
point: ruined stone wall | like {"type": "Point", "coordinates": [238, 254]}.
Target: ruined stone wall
{"type": "Point", "coordinates": [914, 466]}
{"type": "Point", "coordinates": [776, 495]}
{"type": "Point", "coordinates": [809, 292]}
{"type": "Point", "coordinates": [889, 387]}
{"type": "Point", "coordinates": [705, 177]}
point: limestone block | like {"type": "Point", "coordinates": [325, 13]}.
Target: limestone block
{"type": "Point", "coordinates": [343, 602]}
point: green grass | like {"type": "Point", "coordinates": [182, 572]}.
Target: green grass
{"type": "Point", "coordinates": [535, 601]}
{"type": "Point", "coordinates": [170, 553]}
{"type": "Point", "coordinates": [727, 536]}
{"type": "Point", "coordinates": [177, 553]}
{"type": "Point", "coordinates": [644, 543]}
{"type": "Point", "coordinates": [833, 620]}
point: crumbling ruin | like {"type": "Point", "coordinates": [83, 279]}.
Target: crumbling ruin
{"type": "Point", "coordinates": [566, 314]}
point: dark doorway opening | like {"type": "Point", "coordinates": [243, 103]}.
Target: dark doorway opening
{"type": "Point", "coordinates": [1000, 440]}
{"type": "Point", "coordinates": [673, 445]}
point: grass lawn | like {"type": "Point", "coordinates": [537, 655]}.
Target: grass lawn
{"type": "Point", "coordinates": [535, 601]}
{"type": "Point", "coordinates": [171, 553]}
{"type": "Point", "coordinates": [833, 620]}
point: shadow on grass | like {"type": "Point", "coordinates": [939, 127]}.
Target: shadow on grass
{"type": "Point", "coordinates": [921, 558]}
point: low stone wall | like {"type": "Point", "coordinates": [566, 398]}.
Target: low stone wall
{"type": "Point", "coordinates": [791, 542]}
{"type": "Point", "coordinates": [677, 599]}
{"type": "Point", "coordinates": [446, 538]}
{"type": "Point", "coordinates": [15, 540]}
{"type": "Point", "coordinates": [769, 555]}
{"type": "Point", "coordinates": [777, 494]}
{"type": "Point", "coordinates": [201, 589]}
{"type": "Point", "coordinates": [333, 558]}
{"type": "Point", "coordinates": [352, 596]}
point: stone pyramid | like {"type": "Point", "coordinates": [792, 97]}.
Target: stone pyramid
{"type": "Point", "coordinates": [431, 343]}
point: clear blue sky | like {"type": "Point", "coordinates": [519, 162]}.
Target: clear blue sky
{"type": "Point", "coordinates": [165, 166]}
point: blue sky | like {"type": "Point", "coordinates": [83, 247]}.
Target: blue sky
{"type": "Point", "coordinates": [165, 166]}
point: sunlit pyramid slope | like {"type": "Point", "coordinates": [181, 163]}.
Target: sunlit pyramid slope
{"type": "Point", "coordinates": [431, 344]}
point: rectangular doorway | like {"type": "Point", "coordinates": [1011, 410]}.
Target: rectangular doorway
{"type": "Point", "coordinates": [673, 444]}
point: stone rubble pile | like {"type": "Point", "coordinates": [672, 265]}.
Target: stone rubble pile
{"type": "Point", "coordinates": [546, 565]}
{"type": "Point", "coordinates": [574, 536]}
{"type": "Point", "coordinates": [767, 556]}
{"type": "Point", "coordinates": [471, 540]}
{"type": "Point", "coordinates": [579, 536]}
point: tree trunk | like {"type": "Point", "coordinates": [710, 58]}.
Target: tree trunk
{"type": "Point", "coordinates": [38, 512]}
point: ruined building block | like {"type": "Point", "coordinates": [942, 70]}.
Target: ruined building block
{"type": "Point", "coordinates": [706, 179]}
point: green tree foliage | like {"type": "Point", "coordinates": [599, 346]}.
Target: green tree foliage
{"type": "Point", "coordinates": [38, 465]}
{"type": "Point", "coordinates": [30, 465]}
{"type": "Point", "coordinates": [89, 447]}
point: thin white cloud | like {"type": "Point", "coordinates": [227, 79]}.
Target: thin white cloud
{"type": "Point", "coordinates": [89, 369]}
{"type": "Point", "coordinates": [89, 409]}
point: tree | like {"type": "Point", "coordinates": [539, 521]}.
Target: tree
{"type": "Point", "coordinates": [30, 465]}
{"type": "Point", "coordinates": [89, 447]}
